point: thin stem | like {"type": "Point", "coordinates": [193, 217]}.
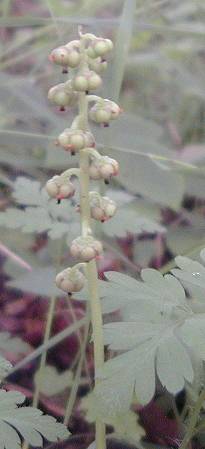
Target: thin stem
{"type": "Point", "coordinates": [75, 385]}
{"type": "Point", "coordinates": [93, 153]}
{"type": "Point", "coordinates": [47, 333]}
{"type": "Point", "coordinates": [70, 172]}
{"type": "Point", "coordinates": [92, 274]}
{"type": "Point", "coordinates": [193, 421]}
{"type": "Point", "coordinates": [44, 355]}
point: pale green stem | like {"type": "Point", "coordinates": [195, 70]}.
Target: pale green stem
{"type": "Point", "coordinates": [70, 172]}
{"type": "Point", "coordinates": [93, 153]}
{"type": "Point", "coordinates": [92, 274]}
{"type": "Point", "coordinates": [47, 333]}
{"type": "Point", "coordinates": [75, 385]}
{"type": "Point", "coordinates": [44, 355]}
{"type": "Point", "coordinates": [74, 318]}
{"type": "Point", "coordinates": [193, 421]}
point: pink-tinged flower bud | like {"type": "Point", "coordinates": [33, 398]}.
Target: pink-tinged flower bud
{"type": "Point", "coordinates": [85, 81]}
{"type": "Point", "coordinates": [67, 55]}
{"type": "Point", "coordinates": [70, 280]}
{"type": "Point", "coordinates": [75, 139]}
{"type": "Point", "coordinates": [85, 248]}
{"type": "Point", "coordinates": [62, 96]}
{"type": "Point", "coordinates": [59, 56]}
{"type": "Point", "coordinates": [104, 111]}
{"type": "Point", "coordinates": [103, 168]}
{"type": "Point", "coordinates": [102, 208]}
{"type": "Point", "coordinates": [99, 47]}
{"type": "Point", "coordinates": [59, 188]}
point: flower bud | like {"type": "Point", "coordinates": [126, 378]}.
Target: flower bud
{"type": "Point", "coordinates": [99, 47]}
{"type": "Point", "coordinates": [75, 139]}
{"type": "Point", "coordinates": [103, 168]}
{"type": "Point", "coordinates": [70, 280]}
{"type": "Point", "coordinates": [62, 96]}
{"type": "Point", "coordinates": [59, 188]}
{"type": "Point", "coordinates": [85, 248]}
{"type": "Point", "coordinates": [104, 111]}
{"type": "Point", "coordinates": [74, 54]}
{"type": "Point", "coordinates": [87, 80]}
{"type": "Point", "coordinates": [67, 55]}
{"type": "Point", "coordinates": [101, 207]}
{"type": "Point", "coordinates": [59, 56]}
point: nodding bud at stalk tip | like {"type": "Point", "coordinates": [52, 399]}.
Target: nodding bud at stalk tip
{"type": "Point", "coordinates": [75, 140]}
{"type": "Point", "coordinates": [102, 208]}
{"type": "Point", "coordinates": [70, 280]}
{"type": "Point", "coordinates": [104, 111]}
{"type": "Point", "coordinates": [60, 188]}
{"type": "Point", "coordinates": [86, 248]}
{"type": "Point", "coordinates": [103, 168]}
{"type": "Point", "coordinates": [67, 55]}
{"type": "Point", "coordinates": [99, 47]}
{"type": "Point", "coordinates": [62, 96]}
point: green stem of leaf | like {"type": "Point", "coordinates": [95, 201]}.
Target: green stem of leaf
{"type": "Point", "coordinates": [193, 421]}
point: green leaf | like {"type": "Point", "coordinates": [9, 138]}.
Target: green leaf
{"type": "Point", "coordinates": [126, 425]}
{"type": "Point", "coordinates": [139, 174]}
{"type": "Point", "coordinates": [152, 311]}
{"type": "Point", "coordinates": [28, 192]}
{"type": "Point", "coordinates": [191, 271]}
{"type": "Point", "coordinates": [158, 294]}
{"type": "Point", "coordinates": [29, 422]}
{"type": "Point", "coordinates": [40, 281]}
{"type": "Point", "coordinates": [131, 219]}
{"type": "Point", "coordinates": [41, 213]}
{"type": "Point", "coordinates": [13, 344]}
{"type": "Point", "coordinates": [193, 334]}
{"type": "Point", "coordinates": [51, 382]}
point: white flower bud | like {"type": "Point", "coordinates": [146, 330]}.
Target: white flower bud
{"type": "Point", "coordinates": [61, 96]}
{"type": "Point", "coordinates": [85, 248]}
{"type": "Point", "coordinates": [103, 168]}
{"type": "Point", "coordinates": [104, 111]}
{"type": "Point", "coordinates": [99, 47]}
{"type": "Point", "coordinates": [59, 188]}
{"type": "Point", "coordinates": [87, 80]}
{"type": "Point", "coordinates": [94, 81]}
{"type": "Point", "coordinates": [102, 208]}
{"type": "Point", "coordinates": [75, 139]}
{"type": "Point", "coordinates": [67, 55]}
{"type": "Point", "coordinates": [59, 56]}
{"type": "Point", "coordinates": [70, 280]}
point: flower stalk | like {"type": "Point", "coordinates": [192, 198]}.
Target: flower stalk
{"type": "Point", "coordinates": [87, 57]}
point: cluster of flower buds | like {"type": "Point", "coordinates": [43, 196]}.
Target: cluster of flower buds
{"type": "Point", "coordinates": [103, 168]}
{"type": "Point", "coordinates": [104, 111]}
{"type": "Point", "coordinates": [75, 140]}
{"type": "Point", "coordinates": [70, 280]}
{"type": "Point", "coordinates": [86, 81]}
{"type": "Point", "coordinates": [67, 55]}
{"type": "Point", "coordinates": [60, 188]}
{"type": "Point", "coordinates": [86, 248]}
{"type": "Point", "coordinates": [102, 208]}
{"type": "Point", "coordinates": [62, 95]}
{"type": "Point", "coordinates": [99, 47]}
